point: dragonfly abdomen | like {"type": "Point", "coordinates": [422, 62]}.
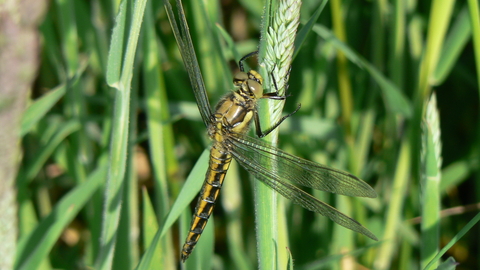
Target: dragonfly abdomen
{"type": "Point", "coordinates": [219, 162]}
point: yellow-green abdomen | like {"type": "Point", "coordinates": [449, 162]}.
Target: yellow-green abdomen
{"type": "Point", "coordinates": [217, 169]}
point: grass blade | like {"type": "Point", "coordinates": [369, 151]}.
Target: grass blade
{"type": "Point", "coordinates": [119, 140]}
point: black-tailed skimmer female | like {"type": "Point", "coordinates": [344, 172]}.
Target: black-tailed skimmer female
{"type": "Point", "coordinates": [227, 127]}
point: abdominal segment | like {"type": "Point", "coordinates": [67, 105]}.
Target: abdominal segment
{"type": "Point", "coordinates": [217, 169]}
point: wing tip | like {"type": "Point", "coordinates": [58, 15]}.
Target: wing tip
{"type": "Point", "coordinates": [369, 234]}
{"type": "Point", "coordinates": [368, 191]}
{"type": "Point", "coordinates": [371, 193]}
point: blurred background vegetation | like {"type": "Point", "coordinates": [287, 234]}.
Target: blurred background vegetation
{"type": "Point", "coordinates": [387, 57]}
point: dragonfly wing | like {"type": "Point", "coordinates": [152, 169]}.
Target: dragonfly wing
{"type": "Point", "coordinates": [299, 196]}
{"type": "Point", "coordinates": [187, 51]}
{"type": "Point", "coordinates": [286, 167]}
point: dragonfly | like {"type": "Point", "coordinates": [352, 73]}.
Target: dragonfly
{"type": "Point", "coordinates": [228, 125]}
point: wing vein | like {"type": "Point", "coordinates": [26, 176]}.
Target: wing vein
{"type": "Point", "coordinates": [299, 196]}
{"type": "Point", "coordinates": [300, 171]}
{"type": "Point", "coordinates": [190, 61]}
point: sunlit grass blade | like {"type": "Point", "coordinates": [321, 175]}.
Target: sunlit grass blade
{"type": "Point", "coordinates": [454, 240]}
{"type": "Point", "coordinates": [440, 15]}
{"type": "Point", "coordinates": [343, 73]}
{"type": "Point", "coordinates": [119, 139]}
{"type": "Point", "coordinates": [395, 206]}
{"type": "Point", "coordinates": [394, 99]}
{"type": "Point", "coordinates": [36, 247]}
{"type": "Point", "coordinates": [457, 172]}
{"type": "Point", "coordinates": [161, 139]}
{"type": "Point", "coordinates": [62, 131]}
{"type": "Point", "coordinates": [473, 8]}
{"type": "Point", "coordinates": [150, 227]}
{"type": "Point", "coordinates": [74, 98]}
{"type": "Point", "coordinates": [189, 190]}
{"type": "Point", "coordinates": [117, 43]}
{"type": "Point", "coordinates": [395, 61]}
{"type": "Point", "coordinates": [449, 264]}
{"type": "Point", "coordinates": [430, 178]}
{"type": "Point", "coordinates": [280, 23]}
{"type": "Point", "coordinates": [290, 261]}
{"type": "Point", "coordinates": [68, 34]}
{"type": "Point", "coordinates": [39, 108]}
{"type": "Point", "coordinates": [456, 40]}
{"type": "Point", "coordinates": [212, 63]}
{"type": "Point", "coordinates": [228, 39]}
{"type": "Point", "coordinates": [127, 246]}
{"type": "Point", "coordinates": [265, 198]}
{"type": "Point", "coordinates": [232, 201]}
{"type": "Point", "coordinates": [307, 28]}
{"type": "Point", "coordinates": [475, 24]}
{"type": "Point", "coordinates": [331, 261]}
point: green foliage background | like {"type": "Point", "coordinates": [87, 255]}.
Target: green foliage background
{"type": "Point", "coordinates": [363, 75]}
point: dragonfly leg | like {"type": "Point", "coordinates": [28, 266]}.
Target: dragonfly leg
{"type": "Point", "coordinates": [258, 129]}
{"type": "Point", "coordinates": [276, 96]}
{"type": "Point", "coordinates": [240, 63]}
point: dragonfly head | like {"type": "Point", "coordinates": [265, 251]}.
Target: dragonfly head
{"type": "Point", "coordinates": [250, 82]}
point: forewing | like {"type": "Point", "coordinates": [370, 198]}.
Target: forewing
{"type": "Point", "coordinates": [298, 196]}
{"type": "Point", "coordinates": [286, 167]}
{"type": "Point", "coordinates": [185, 45]}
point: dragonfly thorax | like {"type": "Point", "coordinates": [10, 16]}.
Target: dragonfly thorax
{"type": "Point", "coordinates": [233, 113]}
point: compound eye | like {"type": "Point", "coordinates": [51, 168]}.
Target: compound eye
{"type": "Point", "coordinates": [255, 88]}
{"type": "Point", "coordinates": [239, 78]}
